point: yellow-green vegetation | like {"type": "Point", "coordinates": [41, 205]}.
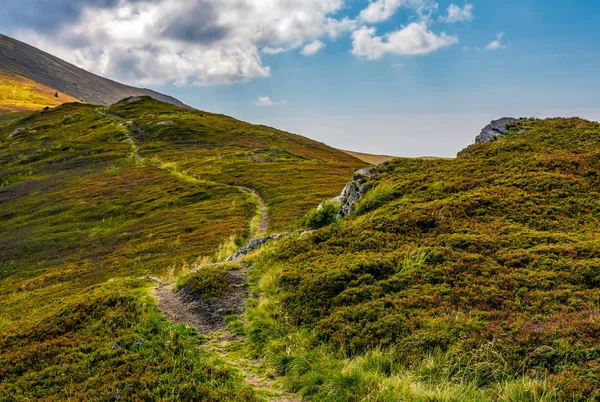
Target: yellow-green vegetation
{"type": "Point", "coordinates": [209, 282]}
{"type": "Point", "coordinates": [110, 343]}
{"type": "Point", "coordinates": [379, 194]}
{"type": "Point", "coordinates": [472, 279]}
{"type": "Point", "coordinates": [325, 214]}
{"type": "Point", "coordinates": [22, 94]}
{"type": "Point", "coordinates": [82, 219]}
{"type": "Point", "coordinates": [292, 173]}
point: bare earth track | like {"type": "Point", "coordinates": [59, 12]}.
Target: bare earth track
{"type": "Point", "coordinates": [264, 217]}
{"type": "Point", "coordinates": [208, 316]}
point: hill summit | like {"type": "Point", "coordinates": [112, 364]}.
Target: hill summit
{"type": "Point", "coordinates": [20, 59]}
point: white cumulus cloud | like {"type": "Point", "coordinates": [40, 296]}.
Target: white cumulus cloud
{"type": "Point", "coordinates": [413, 39]}
{"type": "Point", "coordinates": [312, 48]}
{"type": "Point", "coordinates": [381, 10]}
{"type": "Point", "coordinates": [457, 14]}
{"type": "Point", "coordinates": [201, 42]}
{"type": "Point", "coordinates": [212, 42]}
{"type": "Point", "coordinates": [265, 101]}
{"type": "Point", "coordinates": [496, 44]}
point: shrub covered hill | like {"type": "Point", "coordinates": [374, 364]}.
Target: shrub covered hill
{"type": "Point", "coordinates": [467, 279]}
{"type": "Point", "coordinates": [95, 200]}
{"type": "Point", "coordinates": [472, 279]}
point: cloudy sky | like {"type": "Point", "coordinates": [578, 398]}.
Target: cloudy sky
{"type": "Point", "coordinates": [400, 77]}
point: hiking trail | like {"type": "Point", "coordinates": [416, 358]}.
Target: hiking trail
{"type": "Point", "coordinates": [208, 316]}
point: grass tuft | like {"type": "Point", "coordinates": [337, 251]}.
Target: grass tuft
{"type": "Point", "coordinates": [325, 214]}
{"type": "Point", "coordinates": [376, 197]}
{"type": "Point", "coordinates": [209, 282]}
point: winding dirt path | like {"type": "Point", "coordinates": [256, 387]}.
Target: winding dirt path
{"type": "Point", "coordinates": [263, 226]}
{"type": "Point", "coordinates": [208, 316]}
{"type": "Point", "coordinates": [132, 142]}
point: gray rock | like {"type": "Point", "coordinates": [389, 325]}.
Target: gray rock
{"type": "Point", "coordinates": [151, 279]}
{"type": "Point", "coordinates": [134, 99]}
{"type": "Point", "coordinates": [354, 190]}
{"type": "Point", "coordinates": [165, 123]}
{"type": "Point", "coordinates": [17, 131]}
{"type": "Point", "coordinates": [254, 244]}
{"type": "Point", "coordinates": [497, 128]}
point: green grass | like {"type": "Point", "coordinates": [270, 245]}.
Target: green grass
{"type": "Point", "coordinates": [471, 279]}
{"type": "Point", "coordinates": [209, 282]}
{"type": "Point", "coordinates": [112, 341]}
{"type": "Point", "coordinates": [292, 173]}
{"type": "Point", "coordinates": [375, 197]}
{"type": "Point", "coordinates": [78, 216]}
{"type": "Point", "coordinates": [325, 214]}
{"type": "Point", "coordinates": [81, 219]}
{"type": "Point", "coordinates": [320, 372]}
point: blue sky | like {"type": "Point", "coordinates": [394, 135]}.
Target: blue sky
{"type": "Point", "coordinates": [425, 96]}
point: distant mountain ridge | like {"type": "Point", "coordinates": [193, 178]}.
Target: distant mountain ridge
{"type": "Point", "coordinates": [27, 61]}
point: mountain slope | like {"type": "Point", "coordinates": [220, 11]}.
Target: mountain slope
{"type": "Point", "coordinates": [84, 223]}
{"type": "Point", "coordinates": [22, 94]}
{"type": "Point", "coordinates": [468, 279]}
{"type": "Point", "coordinates": [290, 171]}
{"type": "Point", "coordinates": [27, 61]}
{"type": "Point", "coordinates": [369, 158]}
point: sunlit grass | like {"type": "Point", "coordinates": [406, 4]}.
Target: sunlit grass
{"type": "Point", "coordinates": [82, 218]}
{"type": "Point", "coordinates": [19, 93]}
{"type": "Point", "coordinates": [471, 279]}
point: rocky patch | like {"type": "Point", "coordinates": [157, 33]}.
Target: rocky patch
{"type": "Point", "coordinates": [254, 244]}
{"type": "Point", "coordinates": [494, 130]}
{"type": "Point", "coordinates": [206, 315]}
{"type": "Point", "coordinates": [15, 132]}
{"type": "Point", "coordinates": [353, 191]}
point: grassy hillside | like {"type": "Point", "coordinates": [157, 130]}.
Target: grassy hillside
{"type": "Point", "coordinates": [292, 173]}
{"type": "Point", "coordinates": [84, 223]}
{"type": "Point", "coordinates": [27, 61]}
{"type": "Point", "coordinates": [21, 94]}
{"type": "Point", "coordinates": [370, 158]}
{"type": "Point", "coordinates": [471, 279]}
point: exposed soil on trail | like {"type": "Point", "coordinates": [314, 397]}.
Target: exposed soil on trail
{"type": "Point", "coordinates": [248, 368]}
{"type": "Point", "coordinates": [131, 142]}
{"type": "Point", "coordinates": [206, 315]}
{"type": "Point", "coordinates": [264, 216]}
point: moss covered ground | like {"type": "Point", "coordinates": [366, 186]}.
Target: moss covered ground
{"type": "Point", "coordinates": [467, 279]}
